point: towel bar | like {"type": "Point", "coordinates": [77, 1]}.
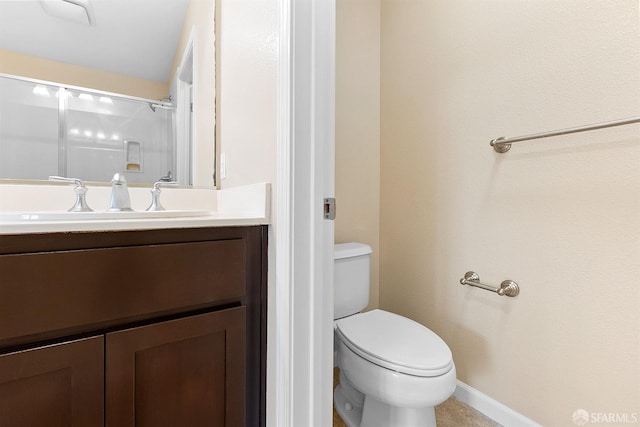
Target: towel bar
{"type": "Point", "coordinates": [503, 144]}
{"type": "Point", "coordinates": [507, 288]}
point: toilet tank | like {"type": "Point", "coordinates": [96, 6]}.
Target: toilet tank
{"type": "Point", "coordinates": [350, 278]}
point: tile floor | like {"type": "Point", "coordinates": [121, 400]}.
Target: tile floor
{"type": "Point", "coordinates": [451, 413]}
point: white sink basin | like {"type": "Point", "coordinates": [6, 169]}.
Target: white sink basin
{"type": "Point", "coordinates": [97, 216]}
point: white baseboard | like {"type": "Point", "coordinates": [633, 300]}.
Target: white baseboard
{"type": "Point", "coordinates": [490, 407]}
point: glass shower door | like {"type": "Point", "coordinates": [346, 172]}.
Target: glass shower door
{"type": "Point", "coordinates": [29, 129]}
{"type": "Point", "coordinates": [107, 134]}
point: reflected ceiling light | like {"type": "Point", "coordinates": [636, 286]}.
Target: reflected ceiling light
{"type": "Point", "coordinates": [105, 99]}
{"type": "Point", "coordinates": [100, 135]}
{"type": "Point", "coordinates": [85, 96]}
{"type": "Point", "coordinates": [115, 137]}
{"type": "Point", "coordinates": [74, 131]}
{"type": "Point", "coordinates": [41, 91]}
{"type": "Point", "coordinates": [78, 11]}
{"type": "Point", "coordinates": [88, 133]}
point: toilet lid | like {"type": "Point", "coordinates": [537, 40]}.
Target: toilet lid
{"type": "Point", "coordinates": [396, 343]}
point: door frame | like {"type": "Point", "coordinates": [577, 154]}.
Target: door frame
{"type": "Point", "coordinates": [303, 361]}
{"type": "Point", "coordinates": [186, 129]}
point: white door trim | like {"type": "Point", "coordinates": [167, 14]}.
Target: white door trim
{"type": "Point", "coordinates": [302, 369]}
{"type": "Point", "coordinates": [280, 373]}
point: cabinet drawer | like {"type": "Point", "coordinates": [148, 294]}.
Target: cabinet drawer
{"type": "Point", "coordinates": [71, 291]}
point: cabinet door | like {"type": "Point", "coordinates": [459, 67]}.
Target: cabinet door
{"type": "Point", "coordinates": [59, 385]}
{"type": "Point", "coordinates": [184, 372]}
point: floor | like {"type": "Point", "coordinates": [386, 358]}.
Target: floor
{"type": "Point", "coordinates": [451, 413]}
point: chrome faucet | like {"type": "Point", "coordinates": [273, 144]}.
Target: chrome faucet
{"type": "Point", "coordinates": [119, 194]}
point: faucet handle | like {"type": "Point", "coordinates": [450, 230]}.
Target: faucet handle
{"type": "Point", "coordinates": [77, 181]}
{"type": "Point", "coordinates": [81, 192]}
{"type": "Point", "coordinates": [155, 195]}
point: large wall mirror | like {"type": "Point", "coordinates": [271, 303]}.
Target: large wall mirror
{"type": "Point", "coordinates": [94, 87]}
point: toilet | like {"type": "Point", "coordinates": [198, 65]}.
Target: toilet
{"type": "Point", "coordinates": [393, 371]}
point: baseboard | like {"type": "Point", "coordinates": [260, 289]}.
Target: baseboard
{"type": "Point", "coordinates": [490, 407]}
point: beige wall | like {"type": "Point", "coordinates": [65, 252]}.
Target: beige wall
{"type": "Point", "coordinates": [247, 106]}
{"type": "Point", "coordinates": [560, 216]}
{"type": "Point", "coordinates": [74, 75]}
{"type": "Point", "coordinates": [358, 127]}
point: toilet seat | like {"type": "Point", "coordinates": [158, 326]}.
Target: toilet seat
{"type": "Point", "coordinates": [396, 343]}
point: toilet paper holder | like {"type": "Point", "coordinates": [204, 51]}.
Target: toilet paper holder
{"type": "Point", "coordinates": [507, 288]}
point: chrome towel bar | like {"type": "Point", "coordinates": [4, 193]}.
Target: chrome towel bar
{"type": "Point", "coordinates": [503, 144]}
{"type": "Point", "coordinates": [507, 288]}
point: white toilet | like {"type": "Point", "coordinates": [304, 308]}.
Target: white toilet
{"type": "Point", "coordinates": [393, 371]}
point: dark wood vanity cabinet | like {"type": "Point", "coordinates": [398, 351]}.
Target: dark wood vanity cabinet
{"type": "Point", "coordinates": [133, 328]}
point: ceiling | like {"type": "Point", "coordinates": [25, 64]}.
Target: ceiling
{"type": "Point", "coordinates": [136, 38]}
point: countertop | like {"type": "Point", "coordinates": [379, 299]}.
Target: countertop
{"type": "Point", "coordinates": [239, 206]}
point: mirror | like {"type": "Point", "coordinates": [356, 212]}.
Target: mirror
{"type": "Point", "coordinates": [136, 48]}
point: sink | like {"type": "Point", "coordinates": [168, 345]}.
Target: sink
{"type": "Point", "coordinates": [97, 216]}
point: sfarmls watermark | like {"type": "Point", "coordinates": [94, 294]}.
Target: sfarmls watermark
{"type": "Point", "coordinates": [582, 417]}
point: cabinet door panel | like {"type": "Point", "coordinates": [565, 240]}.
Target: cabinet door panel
{"type": "Point", "coordinates": [59, 385]}
{"type": "Point", "coordinates": [188, 372]}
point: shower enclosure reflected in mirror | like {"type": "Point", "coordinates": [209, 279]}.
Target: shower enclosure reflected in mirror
{"type": "Point", "coordinates": [129, 52]}
{"type": "Point", "coordinates": [77, 132]}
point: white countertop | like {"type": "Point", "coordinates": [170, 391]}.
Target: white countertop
{"type": "Point", "coordinates": [215, 219]}
{"type": "Point", "coordinates": [240, 206]}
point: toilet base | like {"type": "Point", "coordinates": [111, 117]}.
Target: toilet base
{"type": "Point", "coordinates": [357, 410]}
{"type": "Point", "coordinates": [350, 414]}
{"type": "Point", "coordinates": [378, 414]}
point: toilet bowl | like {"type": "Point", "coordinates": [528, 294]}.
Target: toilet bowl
{"type": "Point", "coordinates": [393, 371]}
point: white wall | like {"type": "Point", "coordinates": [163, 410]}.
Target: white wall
{"type": "Point", "coordinates": [560, 216]}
